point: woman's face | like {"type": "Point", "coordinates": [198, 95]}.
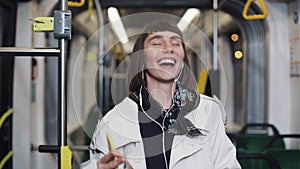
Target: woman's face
{"type": "Point", "coordinates": [164, 55]}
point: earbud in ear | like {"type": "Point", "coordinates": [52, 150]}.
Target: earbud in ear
{"type": "Point", "coordinates": [143, 76]}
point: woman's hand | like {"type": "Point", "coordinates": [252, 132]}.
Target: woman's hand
{"type": "Point", "coordinates": [110, 161]}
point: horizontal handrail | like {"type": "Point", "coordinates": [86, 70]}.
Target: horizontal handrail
{"type": "Point", "coordinates": [16, 51]}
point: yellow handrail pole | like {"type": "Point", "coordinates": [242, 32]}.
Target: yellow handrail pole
{"type": "Point", "coordinates": [66, 157]}
{"type": "Point", "coordinates": [6, 158]}
{"type": "Point", "coordinates": [202, 81]}
{"type": "Point", "coordinates": [90, 7]}
{"type": "Point", "coordinates": [10, 153]}
{"type": "Point", "coordinates": [5, 115]}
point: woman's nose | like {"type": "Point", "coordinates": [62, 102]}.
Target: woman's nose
{"type": "Point", "coordinates": [168, 48]}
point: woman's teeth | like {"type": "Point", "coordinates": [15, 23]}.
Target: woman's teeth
{"type": "Point", "coordinates": [167, 62]}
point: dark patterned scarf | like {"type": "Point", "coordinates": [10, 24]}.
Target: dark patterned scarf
{"type": "Point", "coordinates": [184, 101]}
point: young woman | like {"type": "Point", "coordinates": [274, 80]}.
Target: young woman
{"type": "Point", "coordinates": [163, 123]}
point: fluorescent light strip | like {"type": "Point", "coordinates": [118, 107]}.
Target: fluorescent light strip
{"type": "Point", "coordinates": [187, 18]}
{"type": "Point", "coordinates": [117, 24]}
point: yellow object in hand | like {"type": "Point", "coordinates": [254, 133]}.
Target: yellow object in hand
{"type": "Point", "coordinates": [111, 145]}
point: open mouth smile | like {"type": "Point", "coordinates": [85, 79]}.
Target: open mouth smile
{"type": "Point", "coordinates": [167, 62]}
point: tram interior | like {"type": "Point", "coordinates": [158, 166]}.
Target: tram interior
{"type": "Point", "coordinates": [252, 66]}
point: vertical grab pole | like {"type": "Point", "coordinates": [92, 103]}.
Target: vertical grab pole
{"type": "Point", "coordinates": [215, 35]}
{"type": "Point", "coordinates": [62, 108]}
{"type": "Point", "coordinates": [62, 86]}
{"type": "Point", "coordinates": [100, 55]}
{"type": "Point", "coordinates": [215, 72]}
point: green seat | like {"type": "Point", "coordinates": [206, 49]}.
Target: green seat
{"type": "Point", "coordinates": [287, 158]}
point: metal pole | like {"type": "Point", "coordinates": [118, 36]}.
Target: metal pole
{"type": "Point", "coordinates": [62, 108]}
{"type": "Point", "coordinates": [100, 54]}
{"type": "Point", "coordinates": [62, 116]}
{"type": "Point", "coordinates": [62, 94]}
{"type": "Point", "coordinates": [215, 35]}
{"type": "Point", "coordinates": [100, 81]}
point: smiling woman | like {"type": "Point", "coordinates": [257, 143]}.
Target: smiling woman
{"type": "Point", "coordinates": [164, 122]}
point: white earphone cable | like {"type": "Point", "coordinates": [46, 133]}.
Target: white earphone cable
{"type": "Point", "coordinates": [161, 126]}
{"type": "Point", "coordinates": [177, 78]}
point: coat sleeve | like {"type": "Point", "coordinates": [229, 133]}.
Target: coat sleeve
{"type": "Point", "coordinates": [98, 145]}
{"type": "Point", "coordinates": [223, 150]}
{"type": "Point", "coordinates": [95, 153]}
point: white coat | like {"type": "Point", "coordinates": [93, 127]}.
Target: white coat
{"type": "Point", "coordinates": [212, 151]}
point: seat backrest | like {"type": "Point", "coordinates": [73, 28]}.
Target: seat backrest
{"type": "Point", "coordinates": [277, 139]}
{"type": "Point", "coordinates": [262, 126]}
{"type": "Point", "coordinates": [255, 140]}
{"type": "Point", "coordinates": [254, 143]}
{"type": "Point", "coordinates": [287, 158]}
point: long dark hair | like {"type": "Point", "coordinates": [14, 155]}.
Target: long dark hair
{"type": "Point", "coordinates": [136, 74]}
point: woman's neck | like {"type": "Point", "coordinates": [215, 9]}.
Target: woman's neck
{"type": "Point", "coordinates": [162, 92]}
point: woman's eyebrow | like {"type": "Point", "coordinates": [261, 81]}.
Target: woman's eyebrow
{"type": "Point", "coordinates": [175, 37]}
{"type": "Point", "coordinates": [156, 37]}
{"type": "Point", "coordinates": [162, 36]}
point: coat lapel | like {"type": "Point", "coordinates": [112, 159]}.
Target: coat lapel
{"type": "Point", "coordinates": [184, 146]}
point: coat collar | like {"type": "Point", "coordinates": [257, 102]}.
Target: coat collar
{"type": "Point", "coordinates": [126, 126]}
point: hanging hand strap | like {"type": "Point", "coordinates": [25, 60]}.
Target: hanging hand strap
{"type": "Point", "coordinates": [255, 16]}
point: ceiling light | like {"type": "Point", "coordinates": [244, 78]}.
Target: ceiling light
{"type": "Point", "coordinates": [117, 24]}
{"type": "Point", "coordinates": [187, 18]}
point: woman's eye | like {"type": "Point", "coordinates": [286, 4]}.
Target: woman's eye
{"type": "Point", "coordinates": [156, 44]}
{"type": "Point", "coordinates": [176, 43]}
